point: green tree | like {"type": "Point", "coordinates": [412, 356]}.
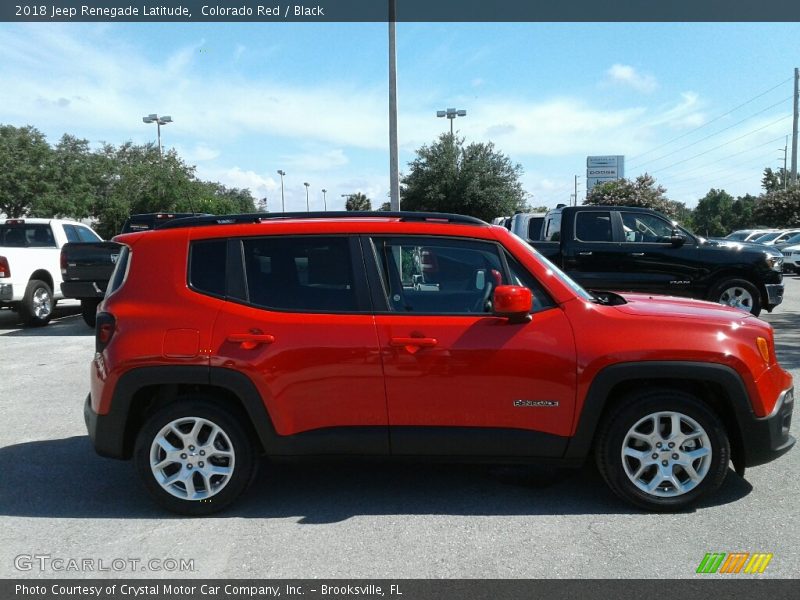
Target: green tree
{"type": "Point", "coordinates": [772, 181]}
{"type": "Point", "coordinates": [473, 180]}
{"type": "Point", "coordinates": [742, 212]}
{"type": "Point", "coordinates": [779, 209]}
{"type": "Point", "coordinates": [386, 207]}
{"type": "Point", "coordinates": [714, 214]}
{"type": "Point", "coordinates": [25, 177]}
{"type": "Point", "coordinates": [642, 191]}
{"type": "Point", "coordinates": [358, 201]}
{"type": "Point", "coordinates": [78, 180]}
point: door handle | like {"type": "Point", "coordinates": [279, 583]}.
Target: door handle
{"type": "Point", "coordinates": [413, 344]}
{"type": "Point", "coordinates": [250, 341]}
{"type": "Point", "coordinates": [584, 253]}
{"type": "Point", "coordinates": [637, 253]}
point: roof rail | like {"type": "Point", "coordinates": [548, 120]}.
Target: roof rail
{"type": "Point", "coordinates": [262, 217]}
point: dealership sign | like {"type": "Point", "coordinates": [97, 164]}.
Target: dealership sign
{"type": "Point", "coordinates": [600, 169]}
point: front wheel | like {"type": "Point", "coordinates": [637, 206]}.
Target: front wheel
{"type": "Point", "coordinates": [662, 450]}
{"type": "Point", "coordinates": [738, 293]}
{"type": "Point", "coordinates": [194, 458]}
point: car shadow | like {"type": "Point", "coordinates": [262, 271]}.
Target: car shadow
{"type": "Point", "coordinates": [64, 478]}
{"type": "Point", "coordinates": [67, 321]}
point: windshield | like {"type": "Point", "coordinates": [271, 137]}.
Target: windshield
{"type": "Point", "coordinates": [795, 239]}
{"type": "Point", "coordinates": [767, 237]}
{"type": "Point", "coordinates": [737, 235]}
{"type": "Point", "coordinates": [554, 271]}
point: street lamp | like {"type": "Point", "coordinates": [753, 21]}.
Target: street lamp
{"type": "Point", "coordinates": [283, 204]}
{"type": "Point", "coordinates": [451, 113]}
{"type": "Point", "coordinates": [308, 208]}
{"type": "Point", "coordinates": [324, 200]}
{"type": "Point", "coordinates": [159, 121]}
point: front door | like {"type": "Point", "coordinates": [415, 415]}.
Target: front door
{"type": "Point", "coordinates": [460, 381]}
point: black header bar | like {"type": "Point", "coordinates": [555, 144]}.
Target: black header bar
{"type": "Point", "coordinates": [278, 11]}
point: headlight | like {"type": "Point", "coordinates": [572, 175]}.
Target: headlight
{"type": "Point", "coordinates": [775, 262]}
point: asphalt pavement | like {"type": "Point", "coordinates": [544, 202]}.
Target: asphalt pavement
{"type": "Point", "coordinates": [60, 502]}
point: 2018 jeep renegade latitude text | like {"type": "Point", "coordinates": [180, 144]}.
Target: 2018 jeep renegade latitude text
{"type": "Point", "coordinates": [222, 339]}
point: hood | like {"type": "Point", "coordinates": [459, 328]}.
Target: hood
{"type": "Point", "coordinates": [648, 305]}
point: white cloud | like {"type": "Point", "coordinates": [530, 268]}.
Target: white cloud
{"type": "Point", "coordinates": [627, 75]}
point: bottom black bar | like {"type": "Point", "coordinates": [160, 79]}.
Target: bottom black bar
{"type": "Point", "coordinates": [734, 587]}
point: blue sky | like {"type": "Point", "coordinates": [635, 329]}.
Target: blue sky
{"type": "Point", "coordinates": [311, 99]}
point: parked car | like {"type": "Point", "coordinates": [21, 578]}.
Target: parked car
{"type": "Point", "coordinates": [30, 273]}
{"type": "Point", "coordinates": [86, 267]}
{"type": "Point", "coordinates": [773, 237]}
{"type": "Point", "coordinates": [412, 335]}
{"type": "Point", "coordinates": [791, 258]}
{"type": "Point", "coordinates": [528, 226]}
{"type": "Point", "coordinates": [747, 235]}
{"type": "Point", "coordinates": [621, 248]}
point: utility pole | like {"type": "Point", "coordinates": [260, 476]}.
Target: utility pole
{"type": "Point", "coordinates": [576, 190]}
{"type": "Point", "coordinates": [785, 150]}
{"type": "Point", "coordinates": [281, 172]}
{"type": "Point", "coordinates": [794, 125]}
{"type": "Point", "coordinates": [394, 168]}
{"type": "Point", "coordinates": [324, 199]}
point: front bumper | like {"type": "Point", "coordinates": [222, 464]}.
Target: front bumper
{"type": "Point", "coordinates": [767, 438]}
{"type": "Point", "coordinates": [774, 293]}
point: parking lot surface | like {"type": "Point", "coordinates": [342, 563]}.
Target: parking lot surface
{"type": "Point", "coordinates": [58, 499]}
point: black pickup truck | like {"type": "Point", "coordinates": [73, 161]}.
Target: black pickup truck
{"type": "Point", "coordinates": [86, 267]}
{"type": "Point", "coordinates": [618, 248]}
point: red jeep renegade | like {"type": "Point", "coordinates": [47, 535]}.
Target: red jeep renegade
{"type": "Point", "coordinates": [412, 335]}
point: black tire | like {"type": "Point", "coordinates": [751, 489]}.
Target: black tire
{"type": "Point", "coordinates": [244, 465]}
{"type": "Point", "coordinates": [89, 311]}
{"type": "Point", "coordinates": [36, 308]}
{"type": "Point", "coordinates": [613, 438]}
{"type": "Point", "coordinates": [731, 292]}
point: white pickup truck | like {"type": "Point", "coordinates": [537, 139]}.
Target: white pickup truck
{"type": "Point", "coordinates": [30, 264]}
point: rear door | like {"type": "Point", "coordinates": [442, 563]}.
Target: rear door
{"type": "Point", "coordinates": [298, 323]}
{"type": "Point", "coordinates": [460, 381]}
{"type": "Point", "coordinates": [590, 255]}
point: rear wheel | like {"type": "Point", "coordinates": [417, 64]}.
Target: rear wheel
{"type": "Point", "coordinates": [662, 450]}
{"type": "Point", "coordinates": [194, 458]}
{"type": "Point", "coordinates": [36, 308]}
{"type": "Point", "coordinates": [89, 311]}
{"type": "Point", "coordinates": [738, 293]}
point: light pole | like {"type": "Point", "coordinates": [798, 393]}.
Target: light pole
{"type": "Point", "coordinates": [308, 208]}
{"type": "Point", "coordinates": [451, 113]}
{"type": "Point", "coordinates": [283, 204]}
{"type": "Point", "coordinates": [159, 121]}
{"type": "Point", "coordinates": [324, 199]}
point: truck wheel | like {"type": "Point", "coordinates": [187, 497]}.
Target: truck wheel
{"type": "Point", "coordinates": [194, 458]}
{"type": "Point", "coordinates": [89, 311]}
{"type": "Point", "coordinates": [36, 308]}
{"type": "Point", "coordinates": [663, 449]}
{"type": "Point", "coordinates": [738, 293]}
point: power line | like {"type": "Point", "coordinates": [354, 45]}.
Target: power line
{"type": "Point", "coordinates": [680, 162]}
{"type": "Point", "coordinates": [711, 135]}
{"type": "Point", "coordinates": [712, 120]}
{"type": "Point", "coordinates": [706, 165]}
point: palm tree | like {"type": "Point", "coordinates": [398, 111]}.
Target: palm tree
{"type": "Point", "coordinates": [357, 201]}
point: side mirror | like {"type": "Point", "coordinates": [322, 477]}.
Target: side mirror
{"type": "Point", "coordinates": [677, 239]}
{"type": "Point", "coordinates": [512, 302]}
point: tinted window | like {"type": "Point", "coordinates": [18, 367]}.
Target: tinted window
{"type": "Point", "coordinates": [207, 266]}
{"type": "Point", "coordinates": [535, 228]}
{"type": "Point", "coordinates": [311, 274]}
{"type": "Point", "coordinates": [439, 276]}
{"type": "Point", "coordinates": [120, 270]}
{"type": "Point", "coordinates": [71, 233]}
{"type": "Point", "coordinates": [518, 275]}
{"type": "Point", "coordinates": [642, 227]}
{"type": "Point", "coordinates": [593, 227]}
{"type": "Point", "coordinates": [26, 236]}
{"type": "Point", "coordinates": [553, 229]}
{"type": "Point", "coordinates": [87, 235]}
